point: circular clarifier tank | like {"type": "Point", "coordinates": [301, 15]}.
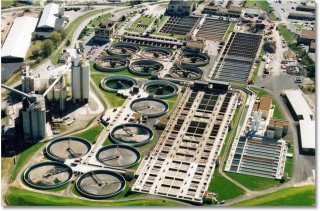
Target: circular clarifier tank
{"type": "Point", "coordinates": [145, 67]}
{"type": "Point", "coordinates": [111, 63]}
{"type": "Point", "coordinates": [47, 175]}
{"type": "Point", "coordinates": [123, 49]}
{"type": "Point", "coordinates": [116, 82]}
{"type": "Point", "coordinates": [69, 147]}
{"type": "Point", "coordinates": [156, 53]}
{"type": "Point", "coordinates": [186, 72]}
{"type": "Point", "coordinates": [118, 155]}
{"type": "Point", "coordinates": [161, 88]}
{"type": "Point", "coordinates": [100, 184]}
{"type": "Point", "coordinates": [194, 58]}
{"type": "Point", "coordinates": [150, 107]}
{"type": "Point", "coordinates": [131, 134]}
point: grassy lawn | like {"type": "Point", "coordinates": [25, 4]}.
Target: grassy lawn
{"type": "Point", "coordinates": [143, 20]}
{"type": "Point", "coordinates": [161, 20]}
{"type": "Point", "coordinates": [260, 92]}
{"type": "Point", "coordinates": [24, 157]}
{"type": "Point", "coordinates": [171, 102]}
{"type": "Point", "coordinates": [256, 70]}
{"type": "Point", "coordinates": [287, 35]}
{"type": "Point", "coordinates": [13, 79]}
{"type": "Point", "coordinates": [20, 197]}
{"type": "Point", "coordinates": [223, 187]}
{"type": "Point", "coordinates": [295, 196]}
{"type": "Point", "coordinates": [177, 36]}
{"type": "Point", "coordinates": [289, 163]}
{"type": "Point", "coordinates": [298, 26]}
{"type": "Point", "coordinates": [254, 182]}
{"type": "Point", "coordinates": [91, 134]}
{"type": "Point", "coordinates": [230, 29]}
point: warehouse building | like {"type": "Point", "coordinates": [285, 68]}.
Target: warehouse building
{"type": "Point", "coordinates": [180, 7]}
{"type": "Point", "coordinates": [105, 30]}
{"type": "Point", "coordinates": [307, 36]}
{"type": "Point", "coordinates": [18, 40]}
{"type": "Point", "coordinates": [301, 110]}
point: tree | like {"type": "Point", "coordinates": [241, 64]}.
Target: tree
{"type": "Point", "coordinates": [56, 38]}
{"type": "Point", "coordinates": [123, 18]}
{"type": "Point", "coordinates": [46, 48]}
{"type": "Point", "coordinates": [35, 53]}
{"type": "Point", "coordinates": [269, 47]}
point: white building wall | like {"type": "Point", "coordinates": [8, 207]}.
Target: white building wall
{"type": "Point", "coordinates": [85, 79]}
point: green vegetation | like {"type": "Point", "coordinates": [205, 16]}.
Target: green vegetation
{"type": "Point", "coordinates": [171, 102]}
{"type": "Point", "coordinates": [289, 163]}
{"type": "Point", "coordinates": [294, 196]}
{"type": "Point", "coordinates": [230, 29]}
{"type": "Point", "coordinates": [253, 182]}
{"type": "Point", "coordinates": [262, 4]}
{"type": "Point", "coordinates": [11, 3]}
{"type": "Point", "coordinates": [91, 134]}
{"type": "Point", "coordinates": [13, 79]}
{"type": "Point", "coordinates": [256, 70]}
{"type": "Point", "coordinates": [260, 92]}
{"type": "Point", "coordinates": [161, 20]}
{"type": "Point", "coordinates": [223, 187]}
{"type": "Point", "coordinates": [142, 20]}
{"type": "Point", "coordinates": [304, 59]}
{"type": "Point", "coordinates": [24, 156]}
{"type": "Point", "coordinates": [21, 197]}
{"type": "Point", "coordinates": [298, 26]}
{"type": "Point", "coordinates": [177, 36]}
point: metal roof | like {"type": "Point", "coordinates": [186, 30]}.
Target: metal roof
{"type": "Point", "coordinates": [308, 134]}
{"type": "Point", "coordinates": [49, 16]}
{"type": "Point", "coordinates": [18, 40]}
{"type": "Point", "coordinates": [299, 103]}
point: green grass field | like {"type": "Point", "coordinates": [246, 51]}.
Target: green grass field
{"type": "Point", "coordinates": [20, 197]}
{"type": "Point", "coordinates": [295, 196]}
{"type": "Point", "coordinates": [25, 157]}
{"type": "Point", "coordinates": [254, 182]}
{"type": "Point", "coordinates": [177, 36]}
{"type": "Point", "coordinates": [287, 35]}
{"type": "Point", "coordinates": [91, 134]}
{"type": "Point", "coordinates": [223, 187]}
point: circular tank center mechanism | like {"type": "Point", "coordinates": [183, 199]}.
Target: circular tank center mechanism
{"type": "Point", "coordinates": [194, 58]}
{"type": "Point", "coordinates": [111, 63]}
{"type": "Point", "coordinates": [161, 88]}
{"type": "Point", "coordinates": [116, 83]}
{"type": "Point", "coordinates": [156, 53]}
{"type": "Point", "coordinates": [150, 107]}
{"type": "Point", "coordinates": [123, 49]}
{"type": "Point", "coordinates": [47, 175]}
{"type": "Point", "coordinates": [131, 134]}
{"type": "Point", "coordinates": [68, 147]}
{"type": "Point", "coordinates": [100, 184]}
{"type": "Point", "coordinates": [118, 155]}
{"type": "Point", "coordinates": [145, 67]}
{"type": "Point", "coordinates": [186, 72]}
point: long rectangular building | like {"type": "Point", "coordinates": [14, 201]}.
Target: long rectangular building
{"type": "Point", "coordinates": [18, 40]}
{"type": "Point", "coordinates": [182, 163]}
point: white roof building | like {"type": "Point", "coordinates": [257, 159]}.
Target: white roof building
{"type": "Point", "coordinates": [18, 40]}
{"type": "Point", "coordinates": [299, 104]}
{"type": "Point", "coordinates": [308, 134]}
{"type": "Point", "coordinates": [49, 16]}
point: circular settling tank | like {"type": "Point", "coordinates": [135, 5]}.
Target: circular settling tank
{"type": "Point", "coordinates": [69, 147]}
{"type": "Point", "coordinates": [150, 107]}
{"type": "Point", "coordinates": [186, 72]}
{"type": "Point", "coordinates": [115, 83]}
{"type": "Point", "coordinates": [111, 63]}
{"type": "Point", "coordinates": [123, 49]}
{"type": "Point", "coordinates": [118, 155]}
{"type": "Point", "coordinates": [156, 53]}
{"type": "Point", "coordinates": [47, 175]}
{"type": "Point", "coordinates": [100, 184]}
{"type": "Point", "coordinates": [145, 67]}
{"type": "Point", "coordinates": [161, 89]}
{"type": "Point", "coordinates": [131, 134]}
{"type": "Point", "coordinates": [194, 58]}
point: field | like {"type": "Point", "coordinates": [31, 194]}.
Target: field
{"type": "Point", "coordinates": [20, 197]}
{"type": "Point", "coordinates": [295, 196]}
{"type": "Point", "coordinates": [223, 187]}
{"type": "Point", "coordinates": [91, 134]}
{"type": "Point", "coordinates": [146, 21]}
{"type": "Point", "coordinates": [253, 182]}
{"type": "Point", "coordinates": [287, 35]}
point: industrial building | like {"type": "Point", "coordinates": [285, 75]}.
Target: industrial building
{"type": "Point", "coordinates": [263, 105]}
{"type": "Point", "coordinates": [307, 36]}
{"type": "Point", "coordinates": [58, 93]}
{"type": "Point", "coordinates": [80, 77]}
{"type": "Point", "coordinates": [34, 118]}
{"type": "Point", "coordinates": [258, 156]}
{"type": "Point", "coordinates": [302, 112]}
{"type": "Point", "coordinates": [277, 128]}
{"type": "Point", "coordinates": [27, 80]}
{"type": "Point", "coordinates": [180, 7]}
{"type": "Point", "coordinates": [301, 16]}
{"type": "Point", "coordinates": [52, 19]}
{"type": "Point", "coordinates": [105, 30]}
{"type": "Point", "coordinates": [182, 163]}
{"type": "Point", "coordinates": [206, 33]}
{"type": "Point", "coordinates": [232, 12]}
{"type": "Point", "coordinates": [18, 40]}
